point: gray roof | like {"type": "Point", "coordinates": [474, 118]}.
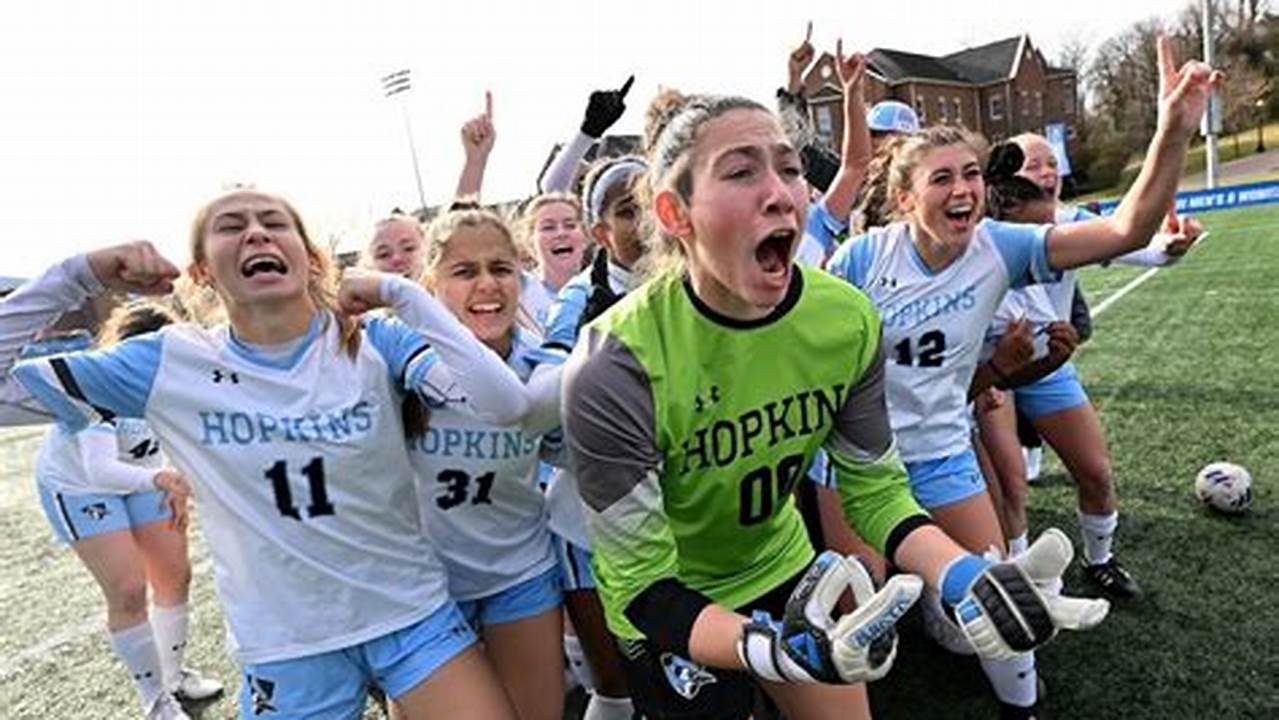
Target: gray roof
{"type": "Point", "coordinates": [986, 63]}
{"type": "Point", "coordinates": [980, 65]}
{"type": "Point", "coordinates": [896, 65]}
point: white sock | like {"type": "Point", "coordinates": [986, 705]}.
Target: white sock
{"type": "Point", "coordinates": [135, 646]}
{"type": "Point", "coordinates": [170, 627]}
{"type": "Point", "coordinates": [1013, 680]}
{"type": "Point", "coordinates": [1034, 462]}
{"type": "Point", "coordinates": [577, 662]}
{"type": "Point", "coordinates": [1018, 545]}
{"type": "Point", "coordinates": [607, 708]}
{"type": "Point", "coordinates": [1098, 532]}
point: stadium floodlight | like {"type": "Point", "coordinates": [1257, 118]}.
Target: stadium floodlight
{"type": "Point", "coordinates": [399, 83]}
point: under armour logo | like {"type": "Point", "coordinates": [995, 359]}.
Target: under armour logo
{"type": "Point", "coordinates": [219, 376]}
{"type": "Point", "coordinates": [263, 692]}
{"type": "Point", "coordinates": [97, 511]}
{"type": "Point", "coordinates": [700, 404]}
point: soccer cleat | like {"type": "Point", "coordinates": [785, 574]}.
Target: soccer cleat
{"type": "Point", "coordinates": [1113, 580]}
{"type": "Point", "coordinates": [166, 707]}
{"type": "Point", "coordinates": [194, 687]}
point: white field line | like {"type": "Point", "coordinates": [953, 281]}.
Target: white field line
{"type": "Point", "coordinates": [72, 633]}
{"type": "Point", "coordinates": [1137, 281]}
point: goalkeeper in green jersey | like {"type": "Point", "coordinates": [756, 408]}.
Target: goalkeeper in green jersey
{"type": "Point", "coordinates": [691, 410]}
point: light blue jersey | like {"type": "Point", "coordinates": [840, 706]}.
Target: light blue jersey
{"type": "Point", "coordinates": [934, 322]}
{"type": "Point", "coordinates": [481, 503]}
{"type": "Point", "coordinates": [299, 467]}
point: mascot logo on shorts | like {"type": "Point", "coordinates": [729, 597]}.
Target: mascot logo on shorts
{"type": "Point", "coordinates": [686, 677]}
{"type": "Point", "coordinates": [263, 691]}
{"type": "Point", "coordinates": [97, 511]}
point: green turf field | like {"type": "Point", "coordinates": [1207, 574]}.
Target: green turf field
{"type": "Point", "coordinates": [1184, 370]}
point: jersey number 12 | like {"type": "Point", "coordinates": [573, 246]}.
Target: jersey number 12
{"type": "Point", "coordinates": [931, 348]}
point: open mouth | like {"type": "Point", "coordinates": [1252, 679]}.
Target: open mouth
{"type": "Point", "coordinates": [961, 215]}
{"type": "Point", "coordinates": [259, 264]}
{"type": "Point", "coordinates": [562, 250]}
{"type": "Point", "coordinates": [774, 252]}
{"type": "Point", "coordinates": [486, 308]}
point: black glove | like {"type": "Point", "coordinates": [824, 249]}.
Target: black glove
{"type": "Point", "coordinates": [604, 108]}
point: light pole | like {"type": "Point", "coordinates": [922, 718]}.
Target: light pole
{"type": "Point", "coordinates": [1211, 125]}
{"type": "Point", "coordinates": [399, 83]}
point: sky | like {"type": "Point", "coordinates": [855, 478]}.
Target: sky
{"type": "Point", "coordinates": [118, 119]}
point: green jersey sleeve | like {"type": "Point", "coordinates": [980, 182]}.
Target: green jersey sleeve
{"type": "Point", "coordinates": [869, 476]}
{"type": "Point", "coordinates": [609, 424]}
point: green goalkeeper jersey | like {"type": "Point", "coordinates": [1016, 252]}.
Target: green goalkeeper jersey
{"type": "Point", "coordinates": [688, 432]}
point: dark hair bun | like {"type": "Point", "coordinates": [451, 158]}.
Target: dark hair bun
{"type": "Point", "coordinates": [1005, 160]}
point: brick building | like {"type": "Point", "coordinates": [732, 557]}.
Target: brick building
{"type": "Point", "coordinates": [999, 90]}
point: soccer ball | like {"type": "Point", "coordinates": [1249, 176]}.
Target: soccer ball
{"type": "Point", "coordinates": [1224, 487]}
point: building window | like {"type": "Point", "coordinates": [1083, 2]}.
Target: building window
{"type": "Point", "coordinates": [825, 122]}
{"type": "Point", "coordinates": [921, 109]}
{"type": "Point", "coordinates": [1039, 103]}
{"type": "Point", "coordinates": [996, 107]}
{"type": "Point", "coordinates": [1069, 98]}
{"type": "Point", "coordinates": [959, 111]}
{"type": "Point", "coordinates": [942, 116]}
{"type": "Point", "coordinates": [1023, 99]}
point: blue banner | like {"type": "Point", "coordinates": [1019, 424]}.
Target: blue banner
{"type": "Point", "coordinates": [1192, 202]}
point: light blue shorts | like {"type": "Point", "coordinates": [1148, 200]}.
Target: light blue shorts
{"type": "Point", "coordinates": [947, 480]}
{"type": "Point", "coordinates": [75, 517]}
{"type": "Point", "coordinates": [575, 566]}
{"type": "Point", "coordinates": [525, 600]}
{"type": "Point", "coordinates": [333, 685]}
{"type": "Point", "coordinates": [1059, 391]}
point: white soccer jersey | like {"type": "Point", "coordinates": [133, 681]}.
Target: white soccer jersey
{"type": "Point", "coordinates": [119, 457]}
{"type": "Point", "coordinates": [478, 489]}
{"type": "Point", "coordinates": [934, 323]}
{"type": "Point", "coordinates": [299, 466]}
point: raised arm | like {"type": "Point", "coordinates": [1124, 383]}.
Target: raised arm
{"type": "Point", "coordinates": [603, 109]}
{"type": "Point", "coordinates": [478, 136]}
{"type": "Point", "coordinates": [437, 353]}
{"type": "Point", "coordinates": [855, 151]}
{"type": "Point", "coordinates": [132, 267]}
{"type": "Point", "coordinates": [1183, 95]}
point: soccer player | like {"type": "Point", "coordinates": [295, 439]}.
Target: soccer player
{"type": "Point", "coordinates": [937, 278]}
{"type": "Point", "coordinates": [396, 247]}
{"type": "Point", "coordinates": [553, 234]}
{"type": "Point", "coordinates": [616, 216]}
{"type": "Point", "coordinates": [694, 405]}
{"type": "Point", "coordinates": [482, 507]}
{"type": "Point", "coordinates": [107, 493]}
{"type": "Point", "coordinates": [288, 424]}
{"type": "Point", "coordinates": [1057, 405]}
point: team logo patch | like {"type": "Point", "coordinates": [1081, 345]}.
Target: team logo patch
{"type": "Point", "coordinates": [263, 692]}
{"type": "Point", "coordinates": [685, 676]}
{"type": "Point", "coordinates": [96, 511]}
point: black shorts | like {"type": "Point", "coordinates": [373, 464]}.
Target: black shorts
{"type": "Point", "coordinates": [665, 686]}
